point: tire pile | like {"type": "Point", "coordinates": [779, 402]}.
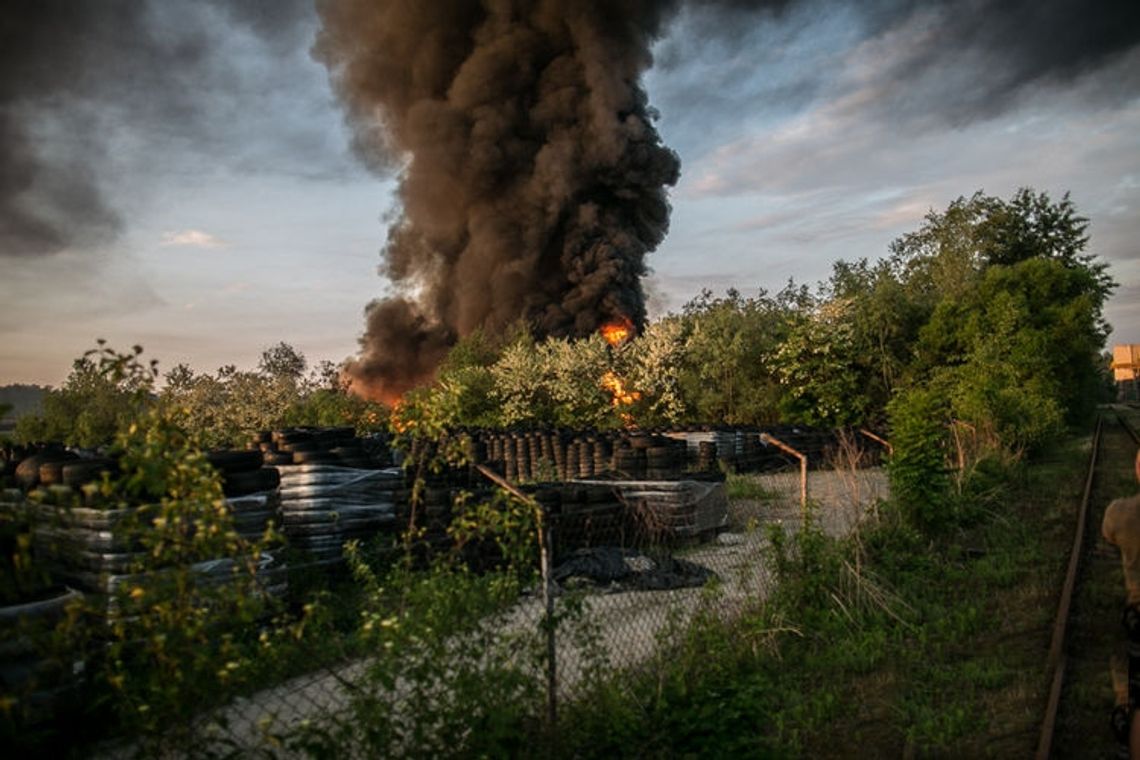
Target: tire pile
{"type": "Point", "coordinates": [548, 456]}
{"type": "Point", "coordinates": [586, 515]}
{"type": "Point", "coordinates": [325, 505]}
{"type": "Point", "coordinates": [99, 551]}
{"type": "Point", "coordinates": [338, 446]}
{"type": "Point", "coordinates": [334, 487]}
{"type": "Point", "coordinates": [79, 544]}
{"type": "Point", "coordinates": [740, 449]}
{"type": "Point", "coordinates": [96, 549]}
{"type": "Point", "coordinates": [250, 489]}
{"type": "Point", "coordinates": [663, 511]}
{"type": "Point", "coordinates": [47, 465]}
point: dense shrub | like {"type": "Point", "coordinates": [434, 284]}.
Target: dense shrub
{"type": "Point", "coordinates": [920, 487]}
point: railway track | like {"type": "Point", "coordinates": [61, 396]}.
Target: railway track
{"type": "Point", "coordinates": [1086, 632]}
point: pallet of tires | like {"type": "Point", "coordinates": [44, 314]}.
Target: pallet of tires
{"type": "Point", "coordinates": [37, 685]}
{"type": "Point", "coordinates": [660, 511]}
{"type": "Point", "coordinates": [85, 546]}
{"type": "Point", "coordinates": [643, 456]}
{"type": "Point", "coordinates": [94, 547]}
{"type": "Point", "coordinates": [327, 445]}
{"type": "Point", "coordinates": [544, 456]}
{"type": "Point", "coordinates": [49, 465]}
{"type": "Point", "coordinates": [697, 443]}
{"type": "Point", "coordinates": [675, 510]}
{"type": "Point", "coordinates": [586, 515]}
{"type": "Point", "coordinates": [664, 459]}
{"type": "Point", "coordinates": [270, 576]}
{"type": "Point", "coordinates": [251, 489]}
{"type": "Point", "coordinates": [99, 550]}
{"type": "Point", "coordinates": [325, 505]}
{"type": "Point", "coordinates": [522, 456]}
{"type": "Point", "coordinates": [79, 543]}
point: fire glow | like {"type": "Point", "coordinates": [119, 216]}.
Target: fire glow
{"type": "Point", "coordinates": [616, 333]}
{"type": "Point", "coordinates": [620, 395]}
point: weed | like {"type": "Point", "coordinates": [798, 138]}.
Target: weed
{"type": "Point", "coordinates": [744, 486]}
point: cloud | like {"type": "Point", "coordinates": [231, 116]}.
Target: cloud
{"type": "Point", "coordinates": [193, 239]}
{"type": "Point", "coordinates": [91, 91]}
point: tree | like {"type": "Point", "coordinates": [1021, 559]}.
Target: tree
{"type": "Point", "coordinates": [225, 408]}
{"type": "Point", "coordinates": [282, 362]}
{"type": "Point", "coordinates": [816, 367]}
{"type": "Point", "coordinates": [1014, 341]}
{"type": "Point", "coordinates": [943, 258]}
{"type": "Point", "coordinates": [723, 376]}
{"type": "Point", "coordinates": [651, 370]}
{"type": "Point", "coordinates": [1021, 351]}
{"type": "Point", "coordinates": [884, 320]}
{"type": "Point", "coordinates": [103, 393]}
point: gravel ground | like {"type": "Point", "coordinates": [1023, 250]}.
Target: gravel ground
{"type": "Point", "coordinates": [635, 623]}
{"type": "Point", "coordinates": [630, 625]}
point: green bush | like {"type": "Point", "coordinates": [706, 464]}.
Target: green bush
{"type": "Point", "coordinates": [920, 488]}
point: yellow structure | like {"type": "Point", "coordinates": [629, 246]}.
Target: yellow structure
{"type": "Point", "coordinates": [1126, 361]}
{"type": "Point", "coordinates": [1126, 371]}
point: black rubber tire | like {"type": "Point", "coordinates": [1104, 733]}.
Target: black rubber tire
{"type": "Point", "coordinates": [251, 481]}
{"type": "Point", "coordinates": [28, 471]}
{"type": "Point", "coordinates": [332, 437]}
{"type": "Point", "coordinates": [299, 447]}
{"type": "Point", "coordinates": [348, 450]}
{"type": "Point", "coordinates": [235, 460]}
{"type": "Point", "coordinates": [278, 458]}
{"type": "Point", "coordinates": [359, 463]}
{"type": "Point", "coordinates": [84, 471]}
{"type": "Point", "coordinates": [51, 472]}
{"type": "Point", "coordinates": [289, 437]}
{"type": "Point", "coordinates": [314, 457]}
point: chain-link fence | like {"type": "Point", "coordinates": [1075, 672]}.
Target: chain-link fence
{"type": "Point", "coordinates": [481, 606]}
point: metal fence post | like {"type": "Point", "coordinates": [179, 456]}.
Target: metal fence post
{"type": "Point", "coordinates": [545, 557]}
{"type": "Point", "coordinates": [764, 437]}
{"type": "Point", "coordinates": [544, 544]}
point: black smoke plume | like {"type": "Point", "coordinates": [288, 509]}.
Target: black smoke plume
{"type": "Point", "coordinates": [533, 180]}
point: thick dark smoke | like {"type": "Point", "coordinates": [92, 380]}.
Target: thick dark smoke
{"type": "Point", "coordinates": [72, 72]}
{"type": "Point", "coordinates": [532, 178]}
{"type": "Point", "coordinates": [533, 182]}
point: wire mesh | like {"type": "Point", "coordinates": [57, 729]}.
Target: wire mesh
{"type": "Point", "coordinates": [635, 562]}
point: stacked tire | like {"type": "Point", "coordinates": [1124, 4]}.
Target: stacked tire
{"type": "Point", "coordinates": [585, 515]}
{"type": "Point", "coordinates": [665, 460]}
{"type": "Point", "coordinates": [251, 490]}
{"type": "Point", "coordinates": [325, 505]}
{"type": "Point", "coordinates": [332, 445]}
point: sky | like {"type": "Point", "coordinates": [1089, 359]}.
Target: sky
{"type": "Point", "coordinates": [212, 205]}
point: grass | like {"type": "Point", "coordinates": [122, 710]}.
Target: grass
{"type": "Point", "coordinates": [744, 486]}
{"type": "Point", "coordinates": [939, 651]}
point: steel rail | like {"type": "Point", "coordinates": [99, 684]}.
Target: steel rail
{"type": "Point", "coordinates": [1056, 661]}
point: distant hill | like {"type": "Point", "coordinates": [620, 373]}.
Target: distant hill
{"type": "Point", "coordinates": [24, 399]}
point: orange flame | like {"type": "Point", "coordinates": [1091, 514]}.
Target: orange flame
{"type": "Point", "coordinates": [397, 421]}
{"type": "Point", "coordinates": [617, 332]}
{"type": "Point", "coordinates": [620, 396]}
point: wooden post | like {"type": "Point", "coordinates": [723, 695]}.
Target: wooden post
{"type": "Point", "coordinates": [544, 554]}
{"type": "Point", "coordinates": [765, 438]}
